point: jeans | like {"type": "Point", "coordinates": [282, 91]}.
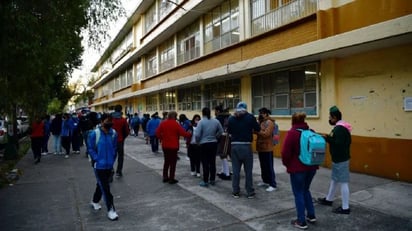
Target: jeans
{"type": "Point", "coordinates": [57, 144]}
{"type": "Point", "coordinates": [266, 166]}
{"type": "Point", "coordinates": [154, 141]}
{"type": "Point", "coordinates": [103, 187]}
{"type": "Point", "coordinates": [194, 155]}
{"type": "Point", "coordinates": [242, 154]}
{"type": "Point", "coordinates": [300, 182]}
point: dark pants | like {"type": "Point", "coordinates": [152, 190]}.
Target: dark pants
{"type": "Point", "coordinates": [103, 187]}
{"type": "Point", "coordinates": [155, 143]}
{"type": "Point", "coordinates": [45, 145]}
{"type": "Point", "coordinates": [169, 165]}
{"type": "Point", "coordinates": [194, 153]}
{"type": "Point", "coordinates": [120, 157]}
{"type": "Point", "coordinates": [266, 167]}
{"type": "Point", "coordinates": [85, 135]}
{"type": "Point", "coordinates": [136, 130]}
{"type": "Point", "coordinates": [300, 183]}
{"type": "Point", "coordinates": [208, 158]}
{"type": "Point", "coordinates": [76, 141]}
{"type": "Point", "coordinates": [36, 145]}
{"type": "Point", "coordinates": [66, 144]}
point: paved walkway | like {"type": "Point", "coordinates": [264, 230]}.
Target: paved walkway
{"type": "Point", "coordinates": [55, 195]}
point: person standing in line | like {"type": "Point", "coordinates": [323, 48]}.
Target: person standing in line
{"type": "Point", "coordinates": [135, 123]}
{"type": "Point", "coordinates": [339, 147]}
{"type": "Point", "coordinates": [207, 132]}
{"type": "Point", "coordinates": [169, 132]}
{"type": "Point", "coordinates": [145, 120]}
{"type": "Point", "coordinates": [56, 129]}
{"type": "Point", "coordinates": [301, 175]}
{"type": "Point", "coordinates": [241, 127]}
{"type": "Point", "coordinates": [67, 131]}
{"type": "Point", "coordinates": [151, 127]}
{"type": "Point", "coordinates": [45, 146]}
{"type": "Point", "coordinates": [37, 136]}
{"type": "Point", "coordinates": [121, 127]}
{"type": "Point", "coordinates": [102, 144]}
{"type": "Point", "coordinates": [223, 152]}
{"type": "Point", "coordinates": [193, 149]}
{"type": "Point", "coordinates": [264, 146]}
{"type": "Point", "coordinates": [75, 134]}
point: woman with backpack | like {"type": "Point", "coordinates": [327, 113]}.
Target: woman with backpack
{"type": "Point", "coordinates": [300, 175]}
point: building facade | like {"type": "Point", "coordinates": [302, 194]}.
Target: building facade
{"type": "Point", "coordinates": [286, 55]}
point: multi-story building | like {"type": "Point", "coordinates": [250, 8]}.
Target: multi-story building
{"type": "Point", "coordinates": [286, 55]}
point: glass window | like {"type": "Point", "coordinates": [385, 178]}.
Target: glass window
{"type": "Point", "coordinates": [167, 55]}
{"type": "Point", "coordinates": [189, 99]}
{"type": "Point", "coordinates": [167, 100]}
{"type": "Point", "coordinates": [287, 91]}
{"type": "Point", "coordinates": [226, 93]}
{"type": "Point", "coordinates": [150, 18]}
{"type": "Point", "coordinates": [188, 43]}
{"type": "Point", "coordinates": [221, 26]}
{"type": "Point", "coordinates": [151, 63]}
{"type": "Point", "coordinates": [151, 102]}
{"type": "Point", "coordinates": [138, 75]}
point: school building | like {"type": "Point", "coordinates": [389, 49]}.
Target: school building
{"type": "Point", "coordinates": [286, 55]}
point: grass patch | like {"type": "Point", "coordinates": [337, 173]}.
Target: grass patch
{"type": "Point", "coordinates": [8, 165]}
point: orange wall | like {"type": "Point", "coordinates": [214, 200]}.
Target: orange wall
{"type": "Point", "coordinates": [382, 157]}
{"type": "Point", "coordinates": [360, 13]}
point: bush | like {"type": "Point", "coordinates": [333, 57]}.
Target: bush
{"type": "Point", "coordinates": [6, 166]}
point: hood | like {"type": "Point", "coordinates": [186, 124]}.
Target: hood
{"type": "Point", "coordinates": [344, 124]}
{"type": "Point", "coordinates": [117, 114]}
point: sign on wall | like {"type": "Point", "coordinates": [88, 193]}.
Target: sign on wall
{"type": "Point", "coordinates": [407, 104]}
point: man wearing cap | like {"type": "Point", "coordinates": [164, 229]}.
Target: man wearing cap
{"type": "Point", "coordinates": [241, 127]}
{"type": "Point", "coordinates": [339, 146]}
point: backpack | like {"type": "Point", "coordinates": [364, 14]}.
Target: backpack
{"type": "Point", "coordinates": [312, 147]}
{"type": "Point", "coordinates": [97, 131]}
{"type": "Point", "coordinates": [275, 134]}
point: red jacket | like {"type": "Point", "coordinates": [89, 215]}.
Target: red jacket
{"type": "Point", "coordinates": [122, 128]}
{"type": "Point", "coordinates": [37, 129]}
{"type": "Point", "coordinates": [291, 150]}
{"type": "Point", "coordinates": [169, 132]}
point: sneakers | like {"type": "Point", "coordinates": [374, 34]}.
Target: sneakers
{"type": "Point", "coordinates": [112, 215]}
{"type": "Point", "coordinates": [66, 156]}
{"type": "Point", "coordinates": [236, 195]}
{"type": "Point", "coordinates": [224, 177]}
{"type": "Point", "coordinates": [262, 184]}
{"type": "Point", "coordinates": [323, 201]}
{"type": "Point", "coordinates": [173, 181]}
{"type": "Point", "coordinates": [119, 174]}
{"type": "Point", "coordinates": [212, 182]}
{"type": "Point", "coordinates": [44, 153]}
{"type": "Point", "coordinates": [197, 174]}
{"type": "Point", "coordinates": [95, 206]}
{"type": "Point", "coordinates": [299, 225]}
{"type": "Point", "coordinates": [251, 195]}
{"type": "Point", "coordinates": [192, 173]}
{"type": "Point", "coordinates": [340, 210]}
{"type": "Point", "coordinates": [203, 184]}
{"type": "Point", "coordinates": [271, 189]}
{"type": "Point", "coordinates": [165, 180]}
{"type": "Point", "coordinates": [311, 219]}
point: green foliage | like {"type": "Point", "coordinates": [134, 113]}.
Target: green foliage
{"type": "Point", "coordinates": [54, 107]}
{"type": "Point", "coordinates": [40, 45]}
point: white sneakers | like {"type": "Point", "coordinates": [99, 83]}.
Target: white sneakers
{"type": "Point", "coordinates": [262, 184]}
{"type": "Point", "coordinates": [270, 189]}
{"type": "Point", "coordinates": [95, 206]}
{"type": "Point", "coordinates": [112, 215]}
{"type": "Point", "coordinates": [193, 173]}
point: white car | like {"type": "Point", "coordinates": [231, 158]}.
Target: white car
{"type": "Point", "coordinates": [22, 126]}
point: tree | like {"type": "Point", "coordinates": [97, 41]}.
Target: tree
{"type": "Point", "coordinates": [40, 45]}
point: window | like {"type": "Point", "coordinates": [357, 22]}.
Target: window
{"type": "Point", "coordinates": [165, 7]}
{"type": "Point", "coordinates": [167, 101]}
{"type": "Point", "coordinates": [138, 75]}
{"type": "Point", "coordinates": [167, 55]}
{"type": "Point", "coordinates": [151, 63]}
{"type": "Point", "coordinates": [226, 93]}
{"type": "Point", "coordinates": [188, 43]}
{"type": "Point", "coordinates": [271, 14]}
{"type": "Point", "coordinates": [221, 26]}
{"type": "Point", "coordinates": [150, 18]}
{"type": "Point", "coordinates": [151, 103]}
{"type": "Point", "coordinates": [287, 91]}
{"type": "Point", "coordinates": [189, 99]}
{"type": "Point", "coordinates": [123, 79]}
{"type": "Point", "coordinates": [129, 77]}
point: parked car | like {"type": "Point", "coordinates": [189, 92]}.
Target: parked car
{"type": "Point", "coordinates": [3, 131]}
{"type": "Point", "coordinates": [22, 126]}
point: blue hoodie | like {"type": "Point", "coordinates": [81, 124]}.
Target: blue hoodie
{"type": "Point", "coordinates": [241, 127]}
{"type": "Point", "coordinates": [104, 153]}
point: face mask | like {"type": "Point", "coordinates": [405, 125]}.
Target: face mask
{"type": "Point", "coordinates": [108, 125]}
{"type": "Point", "coordinates": [332, 123]}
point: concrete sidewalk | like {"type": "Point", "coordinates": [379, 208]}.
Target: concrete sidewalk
{"type": "Point", "coordinates": [55, 195]}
